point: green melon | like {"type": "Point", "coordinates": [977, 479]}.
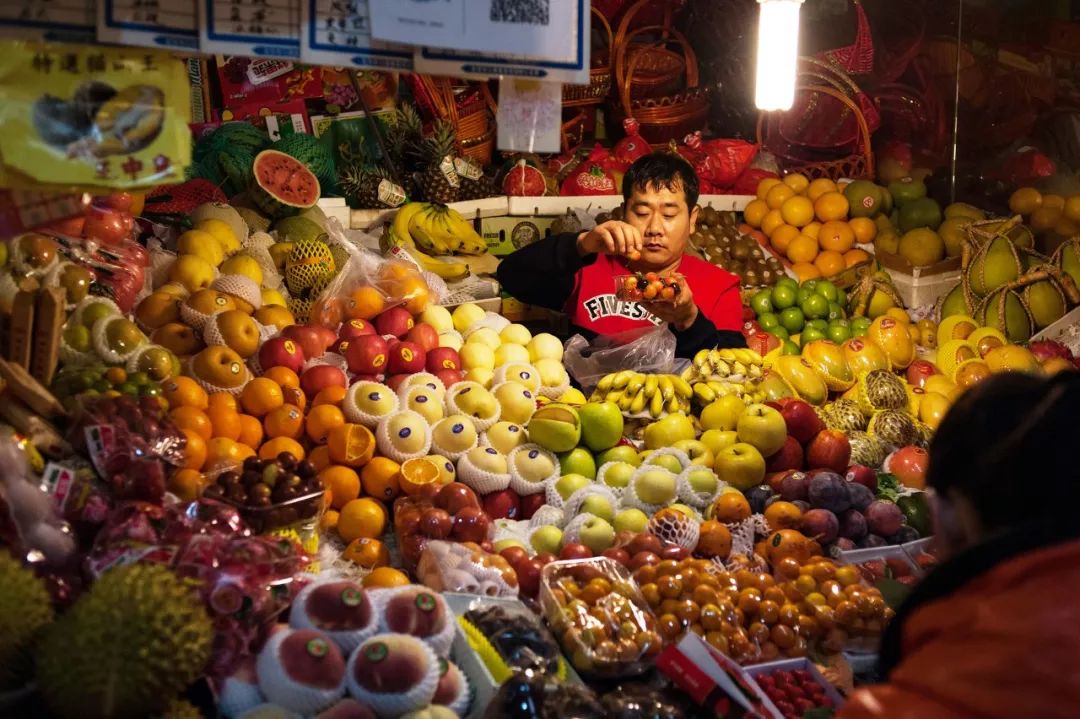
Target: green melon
{"type": "Point", "coordinates": [996, 264]}
{"type": "Point", "coordinates": [226, 213]}
{"type": "Point", "coordinates": [283, 185]}
{"type": "Point", "coordinates": [297, 229]}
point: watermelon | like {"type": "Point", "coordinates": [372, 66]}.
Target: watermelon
{"type": "Point", "coordinates": [283, 185]}
{"type": "Point", "coordinates": [242, 135]}
{"type": "Point", "coordinates": [312, 152]}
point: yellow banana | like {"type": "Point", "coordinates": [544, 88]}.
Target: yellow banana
{"type": "Point", "coordinates": [704, 393]}
{"type": "Point", "coordinates": [430, 233]}
{"type": "Point", "coordinates": [656, 405]}
{"type": "Point", "coordinates": [651, 383]}
{"type": "Point", "coordinates": [739, 368]}
{"type": "Point", "coordinates": [682, 387]}
{"type": "Point", "coordinates": [701, 359]}
{"type": "Point", "coordinates": [625, 401]}
{"type": "Point", "coordinates": [450, 271]}
{"type": "Point", "coordinates": [446, 229]}
{"type": "Point", "coordinates": [638, 405]}
{"type": "Point", "coordinates": [614, 396]}
{"type": "Point", "coordinates": [404, 216]}
{"type": "Point", "coordinates": [689, 373]}
{"type": "Point", "coordinates": [471, 243]}
{"type": "Point", "coordinates": [635, 384]}
{"type": "Point", "coordinates": [667, 389]}
{"type": "Point", "coordinates": [604, 385]}
{"type": "Point", "coordinates": [621, 379]}
{"type": "Point", "coordinates": [672, 405]}
{"type": "Point", "coordinates": [720, 367]}
{"type": "Point", "coordinates": [726, 355]}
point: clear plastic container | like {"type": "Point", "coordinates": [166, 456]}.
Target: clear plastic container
{"type": "Point", "coordinates": [650, 287]}
{"type": "Point", "coordinates": [303, 511]}
{"type": "Point", "coordinates": [599, 616]}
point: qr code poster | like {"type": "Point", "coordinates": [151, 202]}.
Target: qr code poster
{"type": "Point", "coordinates": [539, 29]}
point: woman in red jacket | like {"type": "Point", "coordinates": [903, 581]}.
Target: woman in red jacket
{"type": "Point", "coordinates": [992, 632]}
{"type": "Point", "coordinates": [576, 273]}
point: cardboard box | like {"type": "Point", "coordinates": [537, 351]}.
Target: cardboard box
{"type": "Point", "coordinates": [506, 234]}
{"type": "Point", "coordinates": [920, 286]}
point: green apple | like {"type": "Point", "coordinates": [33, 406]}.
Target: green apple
{"type": "Point", "coordinates": [475, 401]}
{"type": "Point", "coordinates": [599, 505]}
{"type": "Point", "coordinates": [578, 461]}
{"type": "Point", "coordinates": [718, 439]}
{"type": "Point", "coordinates": [597, 534]}
{"type": "Point", "coordinates": [723, 413]}
{"type": "Point", "coordinates": [703, 480]}
{"type": "Point", "coordinates": [601, 425]}
{"type": "Point", "coordinates": [516, 334]}
{"type": "Point", "coordinates": [698, 452]}
{"type": "Point", "coordinates": [618, 474]}
{"type": "Point", "coordinates": [740, 465]}
{"type": "Point", "coordinates": [669, 430]}
{"type": "Point", "coordinates": [763, 427]}
{"type": "Point", "coordinates": [547, 539]}
{"type": "Point", "coordinates": [631, 520]}
{"type": "Point", "coordinates": [671, 464]}
{"type": "Point", "coordinates": [657, 486]}
{"type": "Point", "coordinates": [556, 427]}
{"type": "Point", "coordinates": [545, 346]}
{"type": "Point", "coordinates": [438, 317]}
{"type": "Point", "coordinates": [506, 543]}
{"type": "Point", "coordinates": [570, 483]}
{"type": "Point", "coordinates": [619, 453]}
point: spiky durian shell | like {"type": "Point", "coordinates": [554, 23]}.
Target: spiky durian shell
{"type": "Point", "coordinates": [25, 609]}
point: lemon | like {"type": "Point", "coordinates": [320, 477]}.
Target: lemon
{"type": "Point", "coordinates": [273, 297]}
{"type": "Point", "coordinates": [222, 232]}
{"type": "Point", "coordinates": [202, 245]}
{"type": "Point", "coordinates": [243, 265]}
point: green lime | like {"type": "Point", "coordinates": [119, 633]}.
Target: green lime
{"type": "Point", "coordinates": [815, 306]}
{"type": "Point", "coordinates": [836, 312]}
{"type": "Point", "coordinates": [102, 385]}
{"type": "Point", "coordinates": [768, 321]}
{"type": "Point", "coordinates": [779, 333]}
{"type": "Point", "coordinates": [783, 297]}
{"type": "Point", "coordinates": [786, 281]}
{"type": "Point", "coordinates": [789, 348]}
{"type": "Point", "coordinates": [761, 302]}
{"type": "Point", "coordinates": [139, 378]}
{"type": "Point", "coordinates": [839, 333]}
{"type": "Point", "coordinates": [792, 319]}
{"type": "Point", "coordinates": [150, 390]}
{"type": "Point", "coordinates": [819, 324]}
{"type": "Point", "coordinates": [827, 290]}
{"type": "Point", "coordinates": [128, 388]}
{"type": "Point", "coordinates": [860, 324]}
{"type": "Point", "coordinates": [803, 295]}
{"type": "Point", "coordinates": [809, 334]}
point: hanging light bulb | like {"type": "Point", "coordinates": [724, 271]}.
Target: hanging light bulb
{"type": "Point", "coordinates": [777, 53]}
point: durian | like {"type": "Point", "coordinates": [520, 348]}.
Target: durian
{"type": "Point", "coordinates": [25, 609]}
{"type": "Point", "coordinates": [180, 709]}
{"type": "Point", "coordinates": [137, 639]}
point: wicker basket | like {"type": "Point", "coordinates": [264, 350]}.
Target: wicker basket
{"type": "Point", "coordinates": [472, 118]}
{"type": "Point", "coordinates": [572, 132]}
{"type": "Point", "coordinates": [660, 71]}
{"type": "Point", "coordinates": [599, 76]}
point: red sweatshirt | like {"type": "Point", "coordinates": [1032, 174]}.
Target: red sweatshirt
{"type": "Point", "coordinates": [550, 273]}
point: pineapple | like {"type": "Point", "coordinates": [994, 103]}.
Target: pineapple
{"type": "Point", "coordinates": [433, 184]}
{"type": "Point", "coordinates": [475, 185]}
{"type": "Point", "coordinates": [360, 184]}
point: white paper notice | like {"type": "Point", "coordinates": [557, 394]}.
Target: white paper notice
{"type": "Point", "coordinates": [532, 28]}
{"type": "Point", "coordinates": [171, 24]}
{"type": "Point", "coordinates": [529, 116]}
{"type": "Point", "coordinates": [52, 20]}
{"type": "Point", "coordinates": [338, 32]}
{"type": "Point", "coordinates": [263, 28]}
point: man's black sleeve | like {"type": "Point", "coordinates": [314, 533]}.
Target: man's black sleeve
{"type": "Point", "coordinates": [703, 335]}
{"type": "Point", "coordinates": [542, 273]}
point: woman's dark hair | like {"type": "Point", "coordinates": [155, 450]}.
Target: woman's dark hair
{"type": "Point", "coordinates": [1008, 445]}
{"type": "Point", "coordinates": [662, 170]}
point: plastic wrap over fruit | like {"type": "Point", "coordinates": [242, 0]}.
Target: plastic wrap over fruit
{"type": "Point", "coordinates": [511, 637]}
{"type": "Point", "coordinates": [528, 695]}
{"type": "Point", "coordinates": [453, 567]}
{"type": "Point", "coordinates": [40, 534]}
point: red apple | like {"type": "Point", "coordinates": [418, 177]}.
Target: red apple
{"type": "Point", "coordinates": [281, 352]}
{"type": "Point", "coordinates": [829, 449]}
{"type": "Point", "coordinates": [365, 377]}
{"type": "Point", "coordinates": [919, 371]}
{"type": "Point", "coordinates": [424, 335]}
{"type": "Point", "coordinates": [575, 551]}
{"type": "Point", "coordinates": [545, 558]}
{"type": "Point", "coordinates": [471, 524]}
{"type": "Point", "coordinates": [790, 456]}
{"type": "Point", "coordinates": [528, 575]}
{"type": "Point", "coordinates": [530, 503]}
{"type": "Point", "coordinates": [644, 542]}
{"type": "Point", "coordinates": [355, 328]}
{"type": "Point", "coordinates": [442, 358]}
{"type": "Point", "coordinates": [395, 381]}
{"type": "Point", "coordinates": [1045, 349]}
{"type": "Point", "coordinates": [449, 376]}
{"type": "Point", "coordinates": [642, 559]}
{"type": "Point", "coordinates": [395, 321]}
{"type": "Point", "coordinates": [801, 420]}
{"type": "Point", "coordinates": [674, 551]}
{"type": "Point", "coordinates": [618, 554]}
{"type": "Point", "coordinates": [909, 465]}
{"type": "Point", "coordinates": [455, 497]}
{"type": "Point", "coordinates": [762, 342]}
{"type": "Point", "coordinates": [317, 378]}
{"type": "Point", "coordinates": [309, 339]}
{"type": "Point", "coordinates": [503, 505]}
{"type": "Point", "coordinates": [367, 354]}
{"type": "Point", "coordinates": [329, 336]}
{"type": "Point", "coordinates": [514, 554]}
{"type": "Point", "coordinates": [863, 475]}
{"type": "Point", "coordinates": [406, 358]}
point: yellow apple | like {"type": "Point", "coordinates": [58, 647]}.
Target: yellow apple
{"type": "Point", "coordinates": [178, 338]}
{"type": "Point", "coordinates": [201, 244]}
{"type": "Point", "coordinates": [239, 332]}
{"type": "Point", "coordinates": [193, 272]}
{"type": "Point", "coordinates": [484, 335]}
{"type": "Point", "coordinates": [507, 353]}
{"type": "Point", "coordinates": [275, 315]}
{"type": "Point", "coordinates": [243, 265]}
{"type": "Point", "coordinates": [476, 355]}
{"type": "Point", "coordinates": [273, 297]}
{"type": "Point", "coordinates": [221, 366]}
{"type": "Point", "coordinates": [209, 302]}
{"type": "Point", "coordinates": [157, 309]}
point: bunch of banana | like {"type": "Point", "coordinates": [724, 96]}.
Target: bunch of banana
{"type": "Point", "coordinates": [732, 365]}
{"type": "Point", "coordinates": [443, 231]}
{"type": "Point", "coordinates": [397, 234]}
{"type": "Point", "coordinates": [636, 393]}
{"type": "Point", "coordinates": [708, 391]}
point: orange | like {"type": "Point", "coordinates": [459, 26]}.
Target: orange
{"type": "Point", "coordinates": [836, 235]}
{"type": "Point", "coordinates": [714, 540]}
{"type": "Point", "coordinates": [251, 431]}
{"type": "Point", "coordinates": [415, 292]}
{"type": "Point", "coordinates": [417, 475]}
{"type": "Point", "coordinates": [351, 444]}
{"type": "Point", "coordinates": [226, 422]}
{"type": "Point", "coordinates": [819, 187]}
{"type": "Point", "coordinates": [755, 212]}
{"type": "Point", "coordinates": [1066, 227]}
{"type": "Point", "coordinates": [829, 263]}
{"type": "Point", "coordinates": [797, 181]}
{"type": "Point", "coordinates": [364, 303]}
{"type": "Point", "coordinates": [362, 517]}
{"type": "Point", "coordinates": [343, 484]}
{"type": "Point", "coordinates": [329, 520]}
{"type": "Point", "coordinates": [1054, 202]}
{"type": "Point", "coordinates": [802, 249]}
{"type": "Point", "coordinates": [854, 257]}
{"type": "Point", "coordinates": [783, 515]}
{"type": "Point", "coordinates": [783, 236]}
{"type": "Point", "coordinates": [222, 399]}
{"type": "Point", "coordinates": [193, 419]}
{"type": "Point", "coordinates": [772, 220]}
{"type": "Point", "coordinates": [864, 228]}
{"type": "Point", "coordinates": [380, 478]}
{"type": "Point", "coordinates": [277, 445]}
{"type": "Point", "coordinates": [320, 457]}
{"type": "Point", "coordinates": [778, 195]}
{"type": "Point", "coordinates": [184, 392]}
{"type": "Point", "coordinates": [295, 396]}
{"type": "Point", "coordinates": [805, 271]}
{"type": "Point", "coordinates": [831, 206]}
{"type": "Point", "coordinates": [812, 229]}
{"type": "Point", "coordinates": [194, 450]}
{"type": "Point", "coordinates": [1044, 218]}
{"type": "Point", "coordinates": [321, 420]}
{"type": "Point", "coordinates": [798, 211]}
{"type": "Point", "coordinates": [328, 311]}
{"type": "Point", "coordinates": [116, 375]}
{"type": "Point", "coordinates": [282, 376]}
{"type": "Point", "coordinates": [187, 484]}
{"type": "Point", "coordinates": [765, 185]}
{"type": "Point", "coordinates": [368, 553]}
{"type": "Point", "coordinates": [285, 421]}
{"type": "Point", "coordinates": [787, 543]}
{"type": "Point", "coordinates": [261, 396]}
{"type": "Point", "coordinates": [1072, 208]}
{"type": "Point", "coordinates": [334, 394]}
{"type": "Point", "coordinates": [222, 453]}
{"type": "Point", "coordinates": [1025, 201]}
{"type": "Point", "coordinates": [730, 507]}
{"type": "Point", "coordinates": [385, 578]}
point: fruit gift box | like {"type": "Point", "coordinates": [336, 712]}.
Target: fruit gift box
{"type": "Point", "coordinates": [794, 687]}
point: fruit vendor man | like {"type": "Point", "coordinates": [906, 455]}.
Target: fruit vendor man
{"type": "Point", "coordinates": [576, 273]}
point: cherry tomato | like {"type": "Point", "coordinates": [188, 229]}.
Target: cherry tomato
{"type": "Point", "coordinates": [108, 226]}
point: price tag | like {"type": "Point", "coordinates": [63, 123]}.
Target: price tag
{"type": "Point", "coordinates": [338, 32]}
{"type": "Point", "coordinates": [262, 28]}
{"type": "Point", "coordinates": [100, 440]}
{"type": "Point", "coordinates": [149, 23]}
{"type": "Point", "coordinates": [48, 20]}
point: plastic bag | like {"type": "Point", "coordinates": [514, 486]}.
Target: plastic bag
{"type": "Point", "coordinates": [593, 176]}
{"type": "Point", "coordinates": [721, 162]}
{"type": "Point", "coordinates": [453, 567]}
{"type": "Point", "coordinates": [648, 350]}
